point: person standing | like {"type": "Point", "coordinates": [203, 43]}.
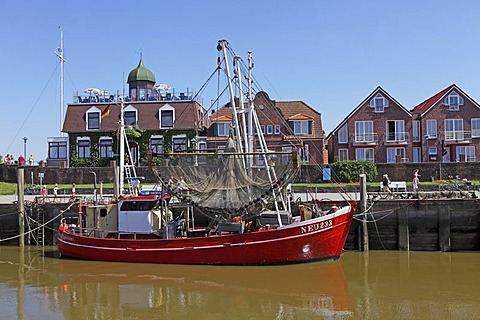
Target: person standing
{"type": "Point", "coordinates": [386, 183]}
{"type": "Point", "coordinates": [21, 160]}
{"type": "Point", "coordinates": [55, 192]}
{"type": "Point", "coordinates": [44, 193]}
{"type": "Point", "coordinates": [30, 160]}
{"type": "Point", "coordinates": [415, 181]}
{"type": "Point", "coordinates": [72, 193]}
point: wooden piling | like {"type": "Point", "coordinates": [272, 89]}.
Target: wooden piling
{"type": "Point", "coordinates": [363, 208]}
{"type": "Point", "coordinates": [20, 204]}
{"type": "Point", "coordinates": [444, 241]}
{"type": "Point", "coordinates": [403, 230]}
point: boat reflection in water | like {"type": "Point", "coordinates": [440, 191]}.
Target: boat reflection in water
{"type": "Point", "coordinates": [96, 289]}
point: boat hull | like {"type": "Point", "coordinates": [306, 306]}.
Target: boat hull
{"type": "Point", "coordinates": [317, 239]}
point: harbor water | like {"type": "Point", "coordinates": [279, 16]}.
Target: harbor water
{"type": "Point", "coordinates": [36, 284]}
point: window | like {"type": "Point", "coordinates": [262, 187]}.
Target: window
{"type": "Point", "coordinates": [396, 131]}
{"type": "Point", "coordinates": [364, 131]}
{"type": "Point", "coordinates": [57, 150]}
{"type": "Point", "coordinates": [342, 154]}
{"type": "Point", "coordinates": [466, 153]}
{"type": "Point", "coordinates": [454, 129]}
{"type": "Point", "coordinates": [179, 143]}
{"type": "Point", "coordinates": [222, 129]}
{"type": "Point", "coordinates": [156, 144]}
{"type": "Point", "coordinates": [343, 134]}
{"type": "Point", "coordinates": [167, 116]}
{"type": "Point", "coordinates": [269, 129]}
{"type": "Point", "coordinates": [432, 150]}
{"type": "Point", "coordinates": [475, 128]}
{"type": "Point", "coordinates": [379, 103]}
{"type": "Point", "coordinates": [453, 101]}
{"type": "Point", "coordinates": [263, 128]}
{"type": "Point", "coordinates": [431, 128]}
{"type": "Point", "coordinates": [83, 148]}
{"type": "Point", "coordinates": [416, 154]}
{"type": "Point", "coordinates": [395, 155]}
{"type": "Point", "coordinates": [364, 154]}
{"type": "Point", "coordinates": [306, 157]}
{"type": "Point", "coordinates": [416, 131]}
{"type": "Point", "coordinates": [286, 157]}
{"type": "Point", "coordinates": [93, 120]}
{"type": "Point", "coordinates": [202, 147]}
{"type": "Point", "coordinates": [130, 116]}
{"type": "Point", "coordinates": [277, 129]}
{"type": "Point", "coordinates": [106, 148]}
{"type": "Point", "coordinates": [302, 127]}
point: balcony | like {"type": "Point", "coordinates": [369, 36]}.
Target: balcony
{"type": "Point", "coordinates": [453, 137]}
{"type": "Point", "coordinates": [397, 138]}
{"type": "Point", "coordinates": [368, 139]}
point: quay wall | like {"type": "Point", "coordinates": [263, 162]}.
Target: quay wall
{"type": "Point", "coordinates": [308, 173]}
{"type": "Point", "coordinates": [420, 225]}
{"type": "Point", "coordinates": [415, 225]}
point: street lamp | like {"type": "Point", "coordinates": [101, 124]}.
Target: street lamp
{"type": "Point", "coordinates": [426, 147]}
{"type": "Point", "coordinates": [25, 148]}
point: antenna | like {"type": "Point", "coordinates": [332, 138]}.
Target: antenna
{"type": "Point", "coordinates": [60, 55]}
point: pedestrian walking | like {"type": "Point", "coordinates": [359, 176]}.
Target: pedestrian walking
{"type": "Point", "coordinates": [415, 181]}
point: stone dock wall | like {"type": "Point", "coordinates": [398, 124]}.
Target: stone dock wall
{"type": "Point", "coordinates": [410, 224]}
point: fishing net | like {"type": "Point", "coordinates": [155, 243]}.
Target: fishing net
{"type": "Point", "coordinates": [228, 181]}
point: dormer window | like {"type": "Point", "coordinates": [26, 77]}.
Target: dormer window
{"type": "Point", "coordinates": [93, 118]}
{"type": "Point", "coordinates": [453, 101]}
{"type": "Point", "coordinates": [130, 116]}
{"type": "Point", "coordinates": [301, 127]}
{"type": "Point", "coordinates": [167, 116]}
{"type": "Point", "coordinates": [222, 129]}
{"type": "Point", "coordinates": [379, 103]}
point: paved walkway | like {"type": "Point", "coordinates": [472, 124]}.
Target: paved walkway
{"type": "Point", "coordinates": [4, 199]}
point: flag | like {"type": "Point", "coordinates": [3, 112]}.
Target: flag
{"type": "Point", "coordinates": [105, 112]}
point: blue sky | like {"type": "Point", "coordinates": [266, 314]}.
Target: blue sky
{"type": "Point", "coordinates": [329, 54]}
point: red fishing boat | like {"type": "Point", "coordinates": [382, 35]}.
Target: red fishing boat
{"type": "Point", "coordinates": [243, 192]}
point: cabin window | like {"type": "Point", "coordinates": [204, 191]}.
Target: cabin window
{"type": "Point", "coordinates": [138, 205]}
{"type": "Point", "coordinates": [106, 147]}
{"type": "Point", "coordinates": [379, 103]}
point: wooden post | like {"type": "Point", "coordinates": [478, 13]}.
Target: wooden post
{"type": "Point", "coordinates": [403, 230]}
{"type": "Point", "coordinates": [363, 208]}
{"type": "Point", "coordinates": [20, 204]}
{"type": "Point", "coordinates": [444, 228]}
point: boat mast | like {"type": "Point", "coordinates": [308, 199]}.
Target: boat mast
{"type": "Point", "coordinates": [60, 55]}
{"type": "Point", "coordinates": [223, 44]}
{"type": "Point", "coordinates": [121, 160]}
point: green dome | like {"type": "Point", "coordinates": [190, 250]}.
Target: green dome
{"type": "Point", "coordinates": [140, 73]}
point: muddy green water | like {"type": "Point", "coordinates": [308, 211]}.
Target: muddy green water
{"type": "Point", "coordinates": [36, 284]}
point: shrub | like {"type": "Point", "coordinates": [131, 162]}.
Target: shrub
{"type": "Point", "coordinates": [350, 170]}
